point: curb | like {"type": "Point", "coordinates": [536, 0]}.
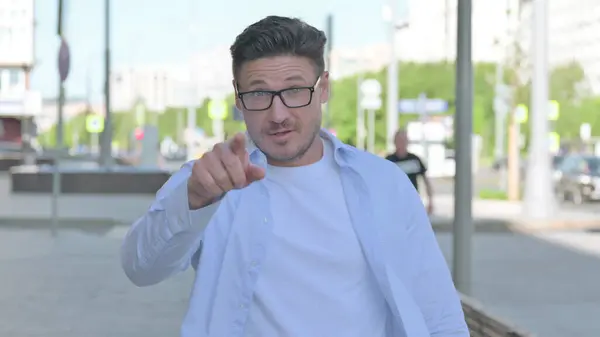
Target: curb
{"type": "Point", "coordinates": [496, 225]}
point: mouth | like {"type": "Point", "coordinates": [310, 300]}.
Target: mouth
{"type": "Point", "coordinates": [280, 134]}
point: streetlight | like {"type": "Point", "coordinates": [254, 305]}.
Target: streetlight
{"type": "Point", "coordinates": [106, 159]}
{"type": "Point", "coordinates": [388, 15]}
{"type": "Point", "coordinates": [463, 186]}
{"type": "Point", "coordinates": [539, 197]}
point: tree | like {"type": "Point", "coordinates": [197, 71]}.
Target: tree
{"type": "Point", "coordinates": [436, 80]}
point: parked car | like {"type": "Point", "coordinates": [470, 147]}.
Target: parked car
{"type": "Point", "coordinates": [577, 179]}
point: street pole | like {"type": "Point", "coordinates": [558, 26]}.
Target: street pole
{"type": "Point", "coordinates": [539, 197]}
{"type": "Point", "coordinates": [59, 132]}
{"type": "Point", "coordinates": [106, 140]}
{"type": "Point", "coordinates": [392, 80]}
{"type": "Point", "coordinates": [192, 99]}
{"type": "Point", "coordinates": [499, 111]}
{"type": "Point", "coordinates": [463, 190]}
{"type": "Point", "coordinates": [329, 50]}
{"type": "Point", "coordinates": [360, 116]}
{"type": "Point", "coordinates": [371, 138]}
{"type": "Point", "coordinates": [424, 120]}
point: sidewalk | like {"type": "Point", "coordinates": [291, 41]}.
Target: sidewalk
{"type": "Point", "coordinates": [546, 283]}
{"type": "Point", "coordinates": [497, 214]}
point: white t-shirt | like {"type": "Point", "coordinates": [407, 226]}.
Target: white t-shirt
{"type": "Point", "coordinates": [315, 281]}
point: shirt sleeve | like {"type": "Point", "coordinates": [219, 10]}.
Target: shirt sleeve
{"type": "Point", "coordinates": [162, 242]}
{"type": "Point", "coordinates": [433, 287]}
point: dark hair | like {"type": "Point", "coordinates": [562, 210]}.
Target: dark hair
{"type": "Point", "coordinates": [275, 36]}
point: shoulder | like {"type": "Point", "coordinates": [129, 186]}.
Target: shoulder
{"type": "Point", "coordinates": [411, 155]}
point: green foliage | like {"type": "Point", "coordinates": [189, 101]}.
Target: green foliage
{"type": "Point", "coordinates": [436, 80]}
{"type": "Point", "coordinates": [124, 124]}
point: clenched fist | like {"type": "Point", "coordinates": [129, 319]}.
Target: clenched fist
{"type": "Point", "coordinates": [224, 168]}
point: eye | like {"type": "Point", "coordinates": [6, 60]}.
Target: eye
{"type": "Point", "coordinates": [257, 93]}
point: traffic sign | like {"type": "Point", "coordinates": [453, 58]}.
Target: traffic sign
{"type": "Point", "coordinates": [217, 110]}
{"type": "Point", "coordinates": [138, 133]}
{"type": "Point", "coordinates": [585, 131]}
{"type": "Point", "coordinates": [554, 111]}
{"type": "Point", "coordinates": [94, 124]}
{"type": "Point", "coordinates": [64, 60]}
{"type": "Point", "coordinates": [370, 87]}
{"type": "Point", "coordinates": [430, 105]}
{"type": "Point", "coordinates": [521, 113]}
{"type": "Point", "coordinates": [370, 91]}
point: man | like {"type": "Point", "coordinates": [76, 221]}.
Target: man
{"type": "Point", "coordinates": [295, 234]}
{"type": "Point", "coordinates": [412, 165]}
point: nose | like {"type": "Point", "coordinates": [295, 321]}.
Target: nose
{"type": "Point", "coordinates": [278, 112]}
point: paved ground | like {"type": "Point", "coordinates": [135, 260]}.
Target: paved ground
{"type": "Point", "coordinates": [72, 285]}
{"type": "Point", "coordinates": [549, 284]}
{"type": "Point", "coordinates": [488, 180]}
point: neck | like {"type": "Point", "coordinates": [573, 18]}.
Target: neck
{"type": "Point", "coordinates": [401, 153]}
{"type": "Point", "coordinates": [312, 155]}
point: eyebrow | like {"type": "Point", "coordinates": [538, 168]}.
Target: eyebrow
{"type": "Point", "coordinates": [290, 78]}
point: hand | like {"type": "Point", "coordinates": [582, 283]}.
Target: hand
{"type": "Point", "coordinates": [429, 207]}
{"type": "Point", "coordinates": [224, 168]}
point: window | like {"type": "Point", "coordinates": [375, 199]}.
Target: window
{"type": "Point", "coordinates": [14, 77]}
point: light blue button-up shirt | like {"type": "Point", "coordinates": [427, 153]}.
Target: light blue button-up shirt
{"type": "Point", "coordinates": [226, 243]}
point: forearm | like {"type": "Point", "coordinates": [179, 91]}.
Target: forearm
{"type": "Point", "coordinates": [159, 246]}
{"type": "Point", "coordinates": [162, 242]}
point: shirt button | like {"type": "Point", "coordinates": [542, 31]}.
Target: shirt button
{"type": "Point", "coordinates": [242, 306]}
{"type": "Point", "coordinates": [254, 263]}
{"type": "Point", "coordinates": [265, 220]}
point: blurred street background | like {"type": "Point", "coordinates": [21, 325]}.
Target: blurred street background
{"type": "Point", "coordinates": [100, 101]}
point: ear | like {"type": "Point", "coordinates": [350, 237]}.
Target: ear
{"type": "Point", "coordinates": [324, 86]}
{"type": "Point", "coordinates": [238, 103]}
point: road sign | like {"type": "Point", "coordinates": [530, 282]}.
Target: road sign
{"type": "Point", "coordinates": [521, 113]}
{"type": "Point", "coordinates": [217, 110]}
{"type": "Point", "coordinates": [94, 124]}
{"type": "Point", "coordinates": [554, 111]}
{"type": "Point", "coordinates": [64, 60]}
{"type": "Point", "coordinates": [370, 87]}
{"type": "Point", "coordinates": [138, 133]}
{"type": "Point", "coordinates": [416, 106]}
{"type": "Point", "coordinates": [370, 93]}
{"type": "Point", "coordinates": [585, 131]}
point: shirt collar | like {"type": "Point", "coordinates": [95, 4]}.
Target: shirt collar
{"type": "Point", "coordinates": [342, 152]}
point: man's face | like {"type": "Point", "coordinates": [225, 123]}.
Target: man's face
{"type": "Point", "coordinates": [288, 128]}
{"type": "Point", "coordinates": [401, 142]}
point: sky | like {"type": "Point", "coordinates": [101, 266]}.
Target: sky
{"type": "Point", "coordinates": [158, 32]}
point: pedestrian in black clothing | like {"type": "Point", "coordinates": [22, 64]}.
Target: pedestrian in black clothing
{"type": "Point", "coordinates": [412, 165]}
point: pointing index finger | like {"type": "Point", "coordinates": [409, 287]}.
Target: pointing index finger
{"type": "Point", "coordinates": [238, 145]}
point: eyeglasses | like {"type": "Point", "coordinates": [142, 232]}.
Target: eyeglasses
{"type": "Point", "coordinates": [260, 100]}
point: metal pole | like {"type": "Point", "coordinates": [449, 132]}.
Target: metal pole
{"type": "Point", "coordinates": [392, 81]}
{"type": "Point", "coordinates": [499, 113]}
{"type": "Point", "coordinates": [424, 119]}
{"type": "Point", "coordinates": [360, 116]}
{"type": "Point", "coordinates": [106, 140]}
{"type": "Point", "coordinates": [329, 49]}
{"type": "Point", "coordinates": [463, 190]}
{"type": "Point", "coordinates": [539, 196]}
{"type": "Point", "coordinates": [371, 121]}
{"type": "Point", "coordinates": [193, 87]}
